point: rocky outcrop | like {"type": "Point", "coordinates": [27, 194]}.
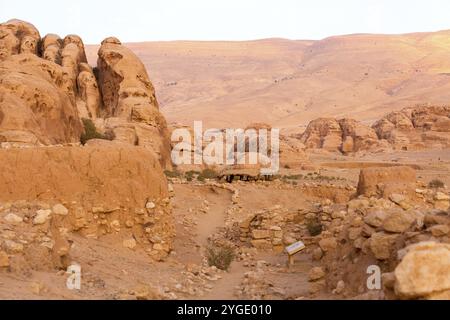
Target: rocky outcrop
{"type": "Point", "coordinates": [129, 99]}
{"type": "Point", "coordinates": [414, 128]}
{"type": "Point", "coordinates": [323, 133]}
{"type": "Point", "coordinates": [47, 88]}
{"type": "Point", "coordinates": [344, 135]}
{"type": "Point", "coordinates": [34, 106]}
{"type": "Point", "coordinates": [16, 37]}
{"type": "Point", "coordinates": [89, 102]}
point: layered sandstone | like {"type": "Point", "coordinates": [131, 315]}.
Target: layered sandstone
{"type": "Point", "coordinates": [129, 100]}
{"type": "Point", "coordinates": [420, 127]}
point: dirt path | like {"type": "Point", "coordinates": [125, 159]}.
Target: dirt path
{"type": "Point", "coordinates": [209, 216]}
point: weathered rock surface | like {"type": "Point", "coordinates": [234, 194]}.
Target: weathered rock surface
{"type": "Point", "coordinates": [413, 128]}
{"type": "Point", "coordinates": [35, 109]}
{"type": "Point", "coordinates": [416, 128]}
{"type": "Point", "coordinates": [111, 183]}
{"type": "Point", "coordinates": [424, 271]}
{"type": "Point", "coordinates": [386, 181]}
{"type": "Point", "coordinates": [129, 98]}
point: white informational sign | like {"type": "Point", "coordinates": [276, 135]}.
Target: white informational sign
{"type": "Point", "coordinates": [295, 247]}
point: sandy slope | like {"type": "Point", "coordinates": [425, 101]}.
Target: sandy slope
{"type": "Point", "coordinates": [287, 83]}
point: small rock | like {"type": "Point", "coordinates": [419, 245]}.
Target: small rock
{"type": "Point", "coordinates": [150, 205]}
{"type": "Point", "coordinates": [129, 243]}
{"type": "Point", "coordinates": [60, 210]}
{"type": "Point", "coordinates": [316, 273]}
{"type": "Point", "coordinates": [328, 244]}
{"type": "Point", "coordinates": [338, 215]}
{"type": "Point", "coordinates": [375, 218]}
{"type": "Point", "coordinates": [13, 218]}
{"type": "Point", "coordinates": [13, 247]}
{"type": "Point", "coordinates": [381, 245]}
{"type": "Point", "coordinates": [260, 234]}
{"type": "Point", "coordinates": [440, 196]}
{"type": "Point", "coordinates": [37, 288]}
{"type": "Point", "coordinates": [439, 230]}
{"type": "Point", "coordinates": [317, 254]}
{"type": "Point", "coordinates": [400, 200]}
{"type": "Point", "coordinates": [4, 260]}
{"type": "Point", "coordinates": [42, 216]}
{"type": "Point", "coordinates": [339, 287]}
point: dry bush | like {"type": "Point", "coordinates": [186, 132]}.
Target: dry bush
{"type": "Point", "coordinates": [220, 257]}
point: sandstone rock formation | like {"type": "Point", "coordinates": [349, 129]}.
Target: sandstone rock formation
{"type": "Point", "coordinates": [345, 135]}
{"type": "Point", "coordinates": [34, 107]}
{"type": "Point", "coordinates": [48, 92]}
{"type": "Point", "coordinates": [47, 87]}
{"type": "Point", "coordinates": [413, 128]}
{"type": "Point", "coordinates": [416, 128]}
{"type": "Point", "coordinates": [18, 37]}
{"type": "Point", "coordinates": [129, 99]}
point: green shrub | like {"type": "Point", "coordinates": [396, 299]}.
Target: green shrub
{"type": "Point", "coordinates": [172, 174]}
{"type": "Point", "coordinates": [190, 175]}
{"type": "Point", "coordinates": [207, 174]}
{"type": "Point", "coordinates": [220, 257]}
{"type": "Point", "coordinates": [90, 132]}
{"type": "Point", "coordinates": [314, 227]}
{"type": "Point", "coordinates": [435, 184]}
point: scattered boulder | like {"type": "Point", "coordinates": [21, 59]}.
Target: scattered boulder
{"type": "Point", "coordinates": [316, 273]}
{"type": "Point", "coordinates": [398, 221]}
{"type": "Point", "coordinates": [381, 245]}
{"type": "Point", "coordinates": [42, 216]}
{"type": "Point", "coordinates": [13, 218]}
{"type": "Point", "coordinates": [328, 244]}
{"type": "Point", "coordinates": [60, 210]}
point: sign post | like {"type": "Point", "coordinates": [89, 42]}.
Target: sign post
{"type": "Point", "coordinates": [294, 249]}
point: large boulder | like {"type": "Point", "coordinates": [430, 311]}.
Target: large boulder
{"type": "Point", "coordinates": [385, 181]}
{"type": "Point", "coordinates": [424, 271]}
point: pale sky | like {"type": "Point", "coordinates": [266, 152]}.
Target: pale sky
{"type": "Point", "coordinates": [149, 20]}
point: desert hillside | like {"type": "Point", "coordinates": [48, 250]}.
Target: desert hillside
{"type": "Point", "coordinates": [288, 83]}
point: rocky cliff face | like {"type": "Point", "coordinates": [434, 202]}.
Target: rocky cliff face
{"type": "Point", "coordinates": [48, 92]}
{"type": "Point", "coordinates": [47, 87]}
